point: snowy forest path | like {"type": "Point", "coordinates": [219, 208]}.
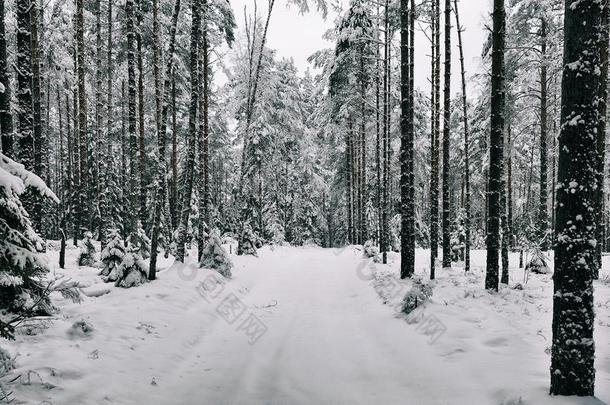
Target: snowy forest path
{"type": "Point", "coordinates": [328, 339]}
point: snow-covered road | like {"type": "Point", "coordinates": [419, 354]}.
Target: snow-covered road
{"type": "Point", "coordinates": [299, 326]}
{"type": "Point", "coordinates": [328, 340]}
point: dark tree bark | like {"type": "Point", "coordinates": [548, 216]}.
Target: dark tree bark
{"type": "Point", "coordinates": [109, 220]}
{"type": "Point", "coordinates": [162, 131]}
{"type": "Point", "coordinates": [133, 210]}
{"type": "Point", "coordinates": [543, 216]}
{"type": "Point", "coordinates": [446, 140]}
{"type": "Point", "coordinates": [246, 180]}
{"type": "Point", "coordinates": [385, 147]}
{"type": "Point", "coordinates": [496, 145]}
{"type": "Point", "coordinates": [173, 204]}
{"type": "Point", "coordinates": [435, 137]}
{"type": "Point", "coordinates": [406, 151]}
{"type": "Point", "coordinates": [504, 278]}
{"type": "Point", "coordinates": [601, 132]}
{"type": "Point", "coordinates": [190, 159]}
{"type": "Point", "coordinates": [202, 182]}
{"type": "Point", "coordinates": [100, 158]}
{"type": "Point", "coordinates": [378, 129]}
{"type": "Point", "coordinates": [125, 194]}
{"type": "Point", "coordinates": [411, 168]}
{"type": "Point", "coordinates": [160, 188]}
{"type": "Point", "coordinates": [466, 143]}
{"type": "Point", "coordinates": [143, 214]}
{"type": "Point", "coordinates": [39, 141]}
{"type": "Point", "coordinates": [82, 110]}
{"type": "Point", "coordinates": [6, 118]}
{"type": "Point", "coordinates": [362, 193]}
{"type": "Point", "coordinates": [24, 85]}
{"type": "Point", "coordinates": [573, 350]}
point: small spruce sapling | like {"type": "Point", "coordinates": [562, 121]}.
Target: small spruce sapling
{"type": "Point", "coordinates": [112, 255]}
{"type": "Point", "coordinates": [87, 253]}
{"type": "Point", "coordinates": [22, 268]}
{"type": "Point", "coordinates": [418, 295]}
{"type": "Point", "coordinates": [537, 263]}
{"type": "Point", "coordinates": [458, 237]}
{"type": "Point", "coordinates": [214, 256]}
{"type": "Point", "coordinates": [247, 245]}
{"type": "Point", "coordinates": [371, 250]}
{"type": "Point", "coordinates": [133, 270]}
{"type": "Point", "coordinates": [140, 242]}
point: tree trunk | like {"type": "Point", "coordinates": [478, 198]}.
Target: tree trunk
{"type": "Point", "coordinates": [406, 151]}
{"type": "Point", "coordinates": [378, 130]}
{"type": "Point", "coordinates": [162, 130]}
{"type": "Point", "coordinates": [601, 132]}
{"type": "Point", "coordinates": [202, 182]}
{"type": "Point", "coordinates": [349, 193]}
{"type": "Point", "coordinates": [504, 278]}
{"type": "Point", "coordinates": [6, 118]}
{"type": "Point", "coordinates": [190, 159]}
{"type": "Point", "coordinates": [109, 221]}
{"type": "Point", "coordinates": [125, 194]}
{"type": "Point", "coordinates": [496, 145]}
{"type": "Point", "coordinates": [174, 203]}
{"type": "Point", "coordinates": [143, 214]}
{"type": "Point", "coordinates": [509, 191]}
{"type": "Point", "coordinates": [386, 118]}
{"type": "Point", "coordinates": [573, 348]}
{"type": "Point", "coordinates": [362, 191]}
{"type": "Point", "coordinates": [543, 217]}
{"type": "Point", "coordinates": [446, 140]}
{"type": "Point", "coordinates": [101, 159]}
{"type": "Point", "coordinates": [134, 207]}
{"type": "Point", "coordinates": [466, 143]}
{"type": "Point", "coordinates": [435, 138]}
{"type": "Point", "coordinates": [24, 85]}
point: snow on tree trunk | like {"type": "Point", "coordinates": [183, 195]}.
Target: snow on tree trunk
{"type": "Point", "coordinates": [446, 140]}
{"type": "Point", "coordinates": [573, 349]}
{"type": "Point", "coordinates": [496, 145]}
{"type": "Point", "coordinates": [6, 118]}
{"type": "Point", "coordinates": [467, 207]}
{"type": "Point", "coordinates": [192, 138]}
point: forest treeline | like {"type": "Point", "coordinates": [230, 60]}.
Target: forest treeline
{"type": "Point", "coordinates": [159, 120]}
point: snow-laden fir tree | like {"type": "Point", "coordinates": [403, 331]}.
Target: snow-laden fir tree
{"type": "Point", "coordinates": [371, 250]}
{"type": "Point", "coordinates": [87, 253]}
{"type": "Point", "coordinates": [417, 296]}
{"type": "Point", "coordinates": [133, 270]}
{"type": "Point", "coordinates": [247, 241]}
{"type": "Point", "coordinates": [214, 256]}
{"type": "Point", "coordinates": [458, 237]}
{"type": "Point", "coordinates": [113, 253]}
{"type": "Point", "coordinates": [140, 242]}
{"type": "Point", "coordinates": [22, 268]}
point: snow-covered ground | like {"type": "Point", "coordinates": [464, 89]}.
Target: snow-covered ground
{"type": "Point", "coordinates": [299, 326]}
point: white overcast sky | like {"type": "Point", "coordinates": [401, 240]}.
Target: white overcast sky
{"type": "Point", "coordinates": [298, 36]}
